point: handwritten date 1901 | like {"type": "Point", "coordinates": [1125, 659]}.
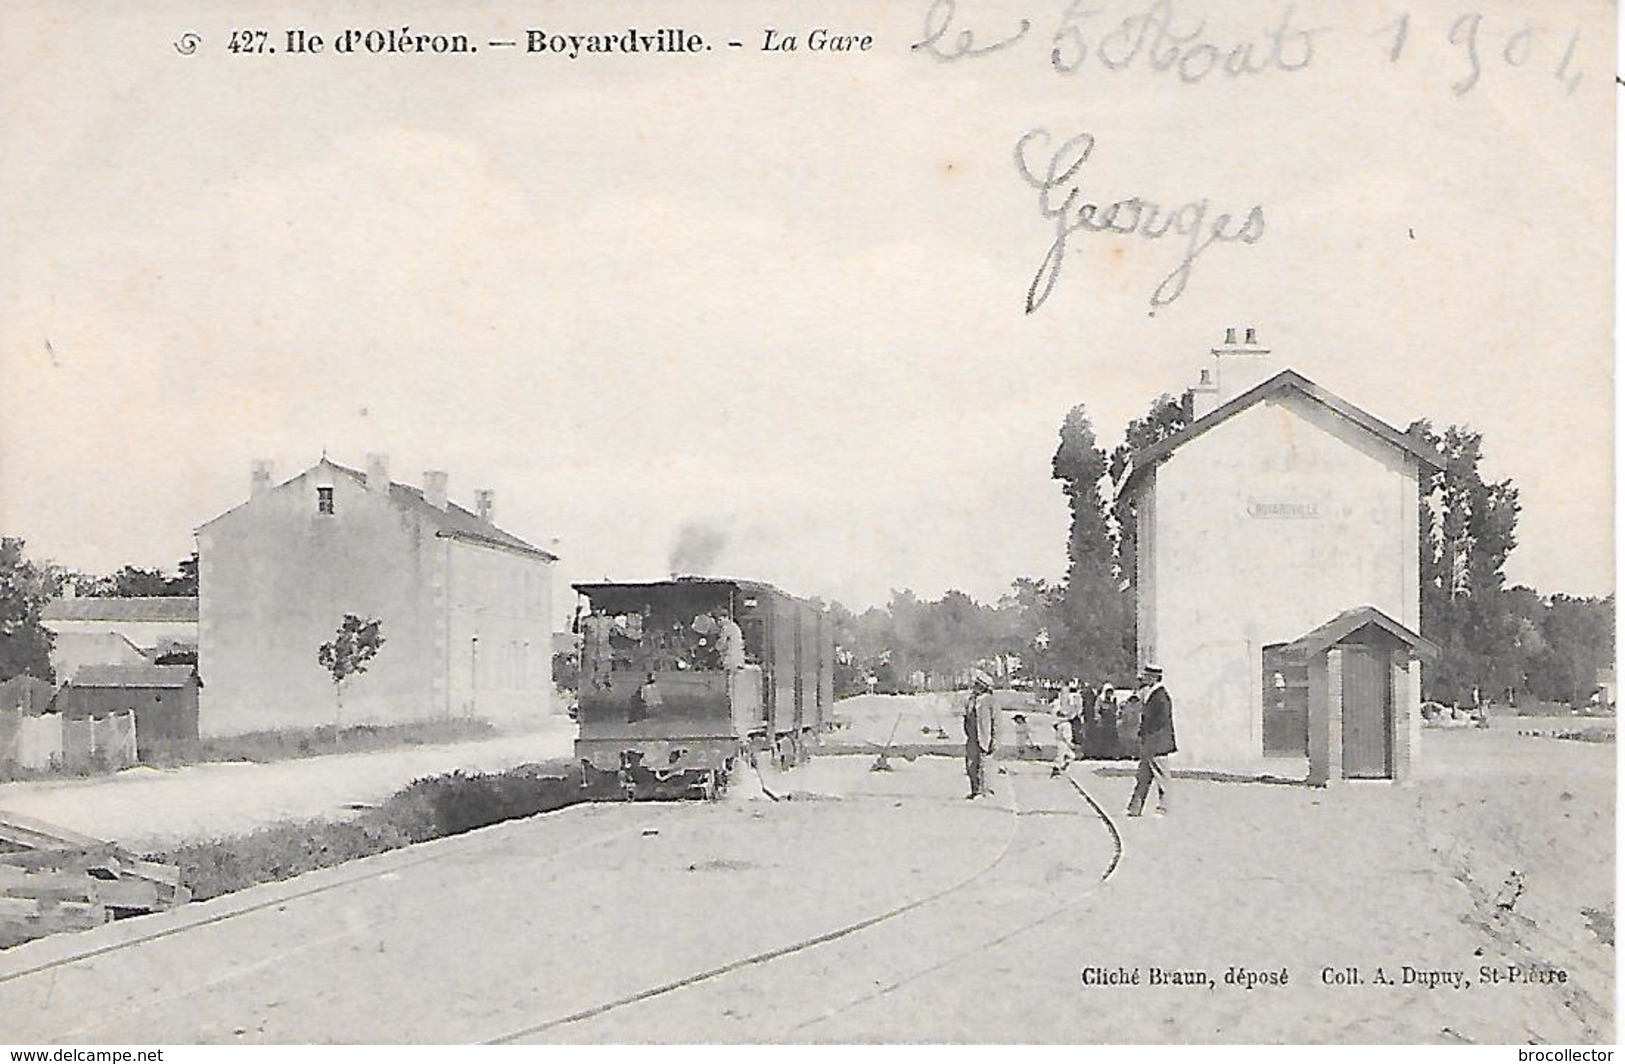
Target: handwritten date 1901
{"type": "Point", "coordinates": [1059, 195]}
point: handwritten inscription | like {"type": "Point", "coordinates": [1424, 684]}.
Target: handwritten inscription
{"type": "Point", "coordinates": [965, 43]}
{"type": "Point", "coordinates": [1162, 41]}
{"type": "Point", "coordinates": [1170, 39]}
{"type": "Point", "coordinates": [1061, 201]}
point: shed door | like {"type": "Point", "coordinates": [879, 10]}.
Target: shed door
{"type": "Point", "coordinates": [1368, 713]}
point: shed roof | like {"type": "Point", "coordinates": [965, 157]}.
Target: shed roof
{"type": "Point", "coordinates": [169, 676]}
{"type": "Point", "coordinates": [1286, 380]}
{"type": "Point", "coordinates": [1319, 639]}
{"type": "Point", "coordinates": [680, 583]}
{"type": "Point", "coordinates": [174, 609]}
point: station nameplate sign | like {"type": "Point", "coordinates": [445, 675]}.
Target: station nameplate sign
{"type": "Point", "coordinates": [1278, 509]}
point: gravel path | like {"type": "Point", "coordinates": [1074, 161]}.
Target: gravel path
{"type": "Point", "coordinates": [147, 809]}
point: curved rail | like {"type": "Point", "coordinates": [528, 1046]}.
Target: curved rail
{"type": "Point", "coordinates": [1111, 867]}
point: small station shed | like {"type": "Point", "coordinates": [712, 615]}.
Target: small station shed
{"type": "Point", "coordinates": [1361, 721]}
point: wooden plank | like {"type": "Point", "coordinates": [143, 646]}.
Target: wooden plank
{"type": "Point", "coordinates": [59, 887]}
{"type": "Point", "coordinates": [129, 894]}
{"type": "Point", "coordinates": [26, 831]}
{"type": "Point", "coordinates": [21, 882]}
{"type": "Point", "coordinates": [167, 874]}
{"type": "Point", "coordinates": [36, 858]}
{"type": "Point", "coordinates": [18, 908]}
{"type": "Point", "coordinates": [68, 917]}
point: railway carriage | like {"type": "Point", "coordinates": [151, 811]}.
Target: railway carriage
{"type": "Point", "coordinates": [666, 706]}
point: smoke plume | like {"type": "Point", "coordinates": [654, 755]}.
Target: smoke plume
{"type": "Point", "coordinates": [697, 548]}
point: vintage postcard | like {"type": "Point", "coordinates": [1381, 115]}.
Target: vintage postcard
{"type": "Point", "coordinates": [937, 521]}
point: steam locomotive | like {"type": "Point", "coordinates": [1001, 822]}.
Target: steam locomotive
{"type": "Point", "coordinates": [683, 680]}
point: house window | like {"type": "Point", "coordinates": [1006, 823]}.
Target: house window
{"type": "Point", "coordinates": [324, 500]}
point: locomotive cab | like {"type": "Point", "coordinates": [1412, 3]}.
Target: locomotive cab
{"type": "Point", "coordinates": [681, 679]}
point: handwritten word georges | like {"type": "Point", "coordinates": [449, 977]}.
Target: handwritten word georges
{"type": "Point", "coordinates": [1059, 193]}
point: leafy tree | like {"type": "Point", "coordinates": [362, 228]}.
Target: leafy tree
{"type": "Point", "coordinates": [353, 647]}
{"type": "Point", "coordinates": [1094, 607]}
{"type": "Point", "coordinates": [133, 582]}
{"type": "Point", "coordinates": [25, 588]}
{"type": "Point", "coordinates": [1468, 527]}
{"type": "Point", "coordinates": [1166, 417]}
{"type": "Point", "coordinates": [1028, 623]}
{"type": "Point", "coordinates": [1578, 639]}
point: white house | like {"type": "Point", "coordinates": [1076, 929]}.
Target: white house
{"type": "Point", "coordinates": [465, 606]}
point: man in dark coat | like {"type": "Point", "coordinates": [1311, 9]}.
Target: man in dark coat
{"type": "Point", "coordinates": [1156, 741]}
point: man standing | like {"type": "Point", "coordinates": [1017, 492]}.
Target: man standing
{"type": "Point", "coordinates": [979, 731]}
{"type": "Point", "coordinates": [1156, 741]}
{"type": "Point", "coordinates": [1068, 708]}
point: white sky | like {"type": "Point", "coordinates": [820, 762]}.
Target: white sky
{"type": "Point", "coordinates": [780, 294]}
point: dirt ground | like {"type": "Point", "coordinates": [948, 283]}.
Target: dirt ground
{"type": "Point", "coordinates": [147, 809]}
{"type": "Point", "coordinates": [924, 918]}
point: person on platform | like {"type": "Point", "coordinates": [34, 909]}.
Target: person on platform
{"type": "Point", "coordinates": [1068, 708]}
{"type": "Point", "coordinates": [979, 733]}
{"type": "Point", "coordinates": [1156, 742]}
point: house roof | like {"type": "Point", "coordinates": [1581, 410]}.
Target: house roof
{"type": "Point", "coordinates": [174, 609]}
{"type": "Point", "coordinates": [133, 676]}
{"type": "Point", "coordinates": [1284, 381]}
{"type": "Point", "coordinates": [1345, 624]}
{"type": "Point", "coordinates": [453, 522]}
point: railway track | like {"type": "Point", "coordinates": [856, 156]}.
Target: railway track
{"type": "Point", "coordinates": [860, 935]}
{"type": "Point", "coordinates": [791, 950]}
{"type": "Point", "coordinates": [440, 850]}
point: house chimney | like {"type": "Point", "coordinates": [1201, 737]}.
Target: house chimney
{"type": "Point", "coordinates": [378, 472]}
{"type": "Point", "coordinates": [485, 504]}
{"type": "Point", "coordinates": [434, 488]}
{"type": "Point", "coordinates": [259, 478]}
{"type": "Point", "coordinates": [70, 590]}
{"type": "Point", "coordinates": [1230, 337]}
{"type": "Point", "coordinates": [1238, 367]}
{"type": "Point", "coordinates": [1205, 394]}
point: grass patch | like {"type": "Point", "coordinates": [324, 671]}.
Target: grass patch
{"type": "Point", "coordinates": [428, 808]}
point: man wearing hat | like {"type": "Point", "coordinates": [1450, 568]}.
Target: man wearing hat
{"type": "Point", "coordinates": [1156, 741]}
{"type": "Point", "coordinates": [979, 732]}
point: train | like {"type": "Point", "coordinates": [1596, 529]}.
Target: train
{"type": "Point", "coordinates": [685, 681]}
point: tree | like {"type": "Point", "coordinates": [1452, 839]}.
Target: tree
{"type": "Point", "coordinates": [355, 644]}
{"type": "Point", "coordinates": [1578, 639]}
{"type": "Point", "coordinates": [1165, 417]}
{"type": "Point", "coordinates": [132, 582]}
{"type": "Point", "coordinates": [1467, 528]}
{"type": "Point", "coordinates": [1028, 623]}
{"type": "Point", "coordinates": [1093, 606]}
{"type": "Point", "coordinates": [25, 588]}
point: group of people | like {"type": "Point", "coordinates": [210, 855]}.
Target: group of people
{"type": "Point", "coordinates": [1154, 738]}
{"type": "Point", "coordinates": [635, 641]}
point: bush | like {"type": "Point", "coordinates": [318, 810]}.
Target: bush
{"type": "Point", "coordinates": [424, 809]}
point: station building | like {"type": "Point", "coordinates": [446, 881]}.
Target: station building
{"type": "Point", "coordinates": [1277, 574]}
{"type": "Point", "coordinates": [465, 605]}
